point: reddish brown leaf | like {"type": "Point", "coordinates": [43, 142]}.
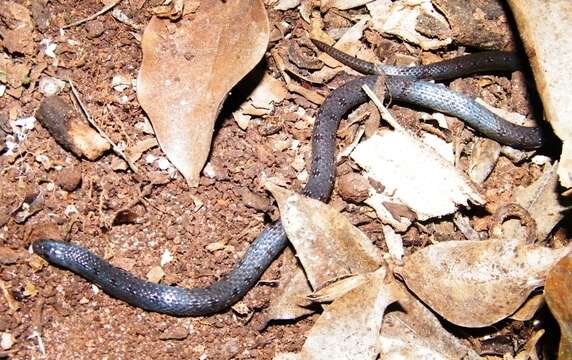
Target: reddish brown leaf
{"type": "Point", "coordinates": [188, 69]}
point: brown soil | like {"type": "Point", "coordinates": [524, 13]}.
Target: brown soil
{"type": "Point", "coordinates": [53, 312]}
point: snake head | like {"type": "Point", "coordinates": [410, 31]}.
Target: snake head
{"type": "Point", "coordinates": [50, 250]}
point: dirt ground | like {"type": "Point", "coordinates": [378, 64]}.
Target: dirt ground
{"type": "Point", "coordinates": [53, 313]}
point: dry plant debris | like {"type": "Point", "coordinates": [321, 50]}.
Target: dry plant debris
{"type": "Point", "coordinates": [187, 73]}
{"type": "Point", "coordinates": [398, 266]}
{"type": "Point", "coordinates": [541, 24]}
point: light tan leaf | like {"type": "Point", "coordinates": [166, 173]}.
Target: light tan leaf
{"type": "Point", "coordinates": [414, 174]}
{"type": "Point", "coordinates": [558, 293]}
{"type": "Point", "coordinates": [416, 333]}
{"type": "Point", "coordinates": [400, 18]}
{"type": "Point", "coordinates": [188, 69]}
{"type": "Point", "coordinates": [327, 244]}
{"type": "Point", "coordinates": [349, 327]}
{"type": "Point", "coordinates": [543, 201]}
{"type": "Point", "coordinates": [478, 283]}
{"type": "Point", "coordinates": [541, 24]}
{"type": "Point", "coordinates": [292, 293]}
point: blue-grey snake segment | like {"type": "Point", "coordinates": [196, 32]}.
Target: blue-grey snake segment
{"type": "Point", "coordinates": [266, 247]}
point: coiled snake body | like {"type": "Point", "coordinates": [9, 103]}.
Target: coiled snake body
{"type": "Point", "coordinates": [402, 84]}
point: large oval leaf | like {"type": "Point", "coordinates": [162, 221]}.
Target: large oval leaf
{"type": "Point", "coordinates": [189, 67]}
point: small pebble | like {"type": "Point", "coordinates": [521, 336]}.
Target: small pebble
{"type": "Point", "coordinates": [94, 28]}
{"type": "Point", "coordinates": [253, 200]}
{"type": "Point", "coordinates": [6, 341]}
{"type": "Point", "coordinates": [353, 187]}
{"type": "Point", "coordinates": [174, 333]}
{"type": "Point", "coordinates": [155, 274]}
{"type": "Point", "coordinates": [69, 178]}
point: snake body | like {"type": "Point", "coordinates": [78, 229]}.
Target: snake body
{"type": "Point", "coordinates": [266, 247]}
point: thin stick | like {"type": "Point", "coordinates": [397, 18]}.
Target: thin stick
{"type": "Point", "coordinates": [115, 148]}
{"type": "Point", "coordinates": [385, 114]}
{"type": "Point", "coordinates": [105, 9]}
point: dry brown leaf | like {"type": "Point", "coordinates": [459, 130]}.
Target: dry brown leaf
{"type": "Point", "coordinates": [558, 293]}
{"type": "Point", "coordinates": [327, 244]}
{"type": "Point", "coordinates": [529, 309]}
{"type": "Point", "coordinates": [292, 293]}
{"type": "Point", "coordinates": [349, 327]}
{"type": "Point", "coordinates": [543, 201]}
{"type": "Point", "coordinates": [542, 23]}
{"type": "Point", "coordinates": [400, 18]}
{"type": "Point", "coordinates": [188, 69]}
{"type": "Point", "coordinates": [478, 283]}
{"type": "Point", "coordinates": [416, 333]}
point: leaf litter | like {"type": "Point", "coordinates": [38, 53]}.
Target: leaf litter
{"type": "Point", "coordinates": [371, 313]}
{"type": "Point", "coordinates": [187, 73]}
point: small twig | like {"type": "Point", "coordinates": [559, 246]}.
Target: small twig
{"type": "Point", "coordinates": [115, 148]}
{"type": "Point", "coordinates": [385, 114]}
{"type": "Point", "coordinates": [91, 17]}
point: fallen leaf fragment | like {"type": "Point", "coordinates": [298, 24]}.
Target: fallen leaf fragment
{"type": "Point", "coordinates": [400, 18]}
{"type": "Point", "coordinates": [558, 293]}
{"type": "Point", "coordinates": [325, 5]}
{"type": "Point", "coordinates": [327, 244]}
{"type": "Point", "coordinates": [478, 283]}
{"type": "Point", "coordinates": [415, 333]}
{"type": "Point", "coordinates": [543, 201]}
{"type": "Point", "coordinates": [69, 130]}
{"type": "Point", "coordinates": [291, 299]}
{"type": "Point", "coordinates": [188, 70]}
{"type": "Point", "coordinates": [542, 24]}
{"type": "Point", "coordinates": [529, 308]}
{"type": "Point", "coordinates": [349, 327]}
{"type": "Point", "coordinates": [413, 174]}
{"type": "Point", "coordinates": [478, 24]}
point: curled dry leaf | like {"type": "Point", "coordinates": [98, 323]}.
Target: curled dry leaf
{"type": "Point", "coordinates": [543, 201]}
{"type": "Point", "coordinates": [292, 293]}
{"type": "Point", "coordinates": [414, 174]}
{"type": "Point", "coordinates": [349, 327]}
{"type": "Point", "coordinates": [478, 283]}
{"type": "Point", "coordinates": [327, 244]}
{"type": "Point", "coordinates": [402, 19]}
{"type": "Point", "coordinates": [188, 69]}
{"type": "Point", "coordinates": [558, 293]}
{"type": "Point", "coordinates": [415, 333]}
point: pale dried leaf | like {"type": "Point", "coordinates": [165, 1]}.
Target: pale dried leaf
{"type": "Point", "coordinates": [377, 202]}
{"type": "Point", "coordinates": [529, 308]}
{"type": "Point", "coordinates": [293, 289]}
{"type": "Point", "coordinates": [268, 92]}
{"type": "Point", "coordinates": [400, 19]}
{"type": "Point", "coordinates": [349, 327]}
{"type": "Point", "coordinates": [394, 243]}
{"type": "Point", "coordinates": [327, 244]}
{"type": "Point", "coordinates": [342, 4]}
{"type": "Point", "coordinates": [188, 69]}
{"type": "Point", "coordinates": [135, 152]}
{"type": "Point", "coordinates": [543, 201]}
{"type": "Point", "coordinates": [416, 333]}
{"type": "Point", "coordinates": [414, 174]}
{"type": "Point", "coordinates": [286, 4]}
{"type": "Point", "coordinates": [558, 292]}
{"type": "Point", "coordinates": [478, 283]}
{"type": "Point", "coordinates": [541, 24]}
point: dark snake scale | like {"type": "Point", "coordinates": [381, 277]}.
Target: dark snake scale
{"type": "Point", "coordinates": [402, 84]}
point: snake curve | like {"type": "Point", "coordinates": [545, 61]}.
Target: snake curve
{"type": "Point", "coordinates": [272, 240]}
